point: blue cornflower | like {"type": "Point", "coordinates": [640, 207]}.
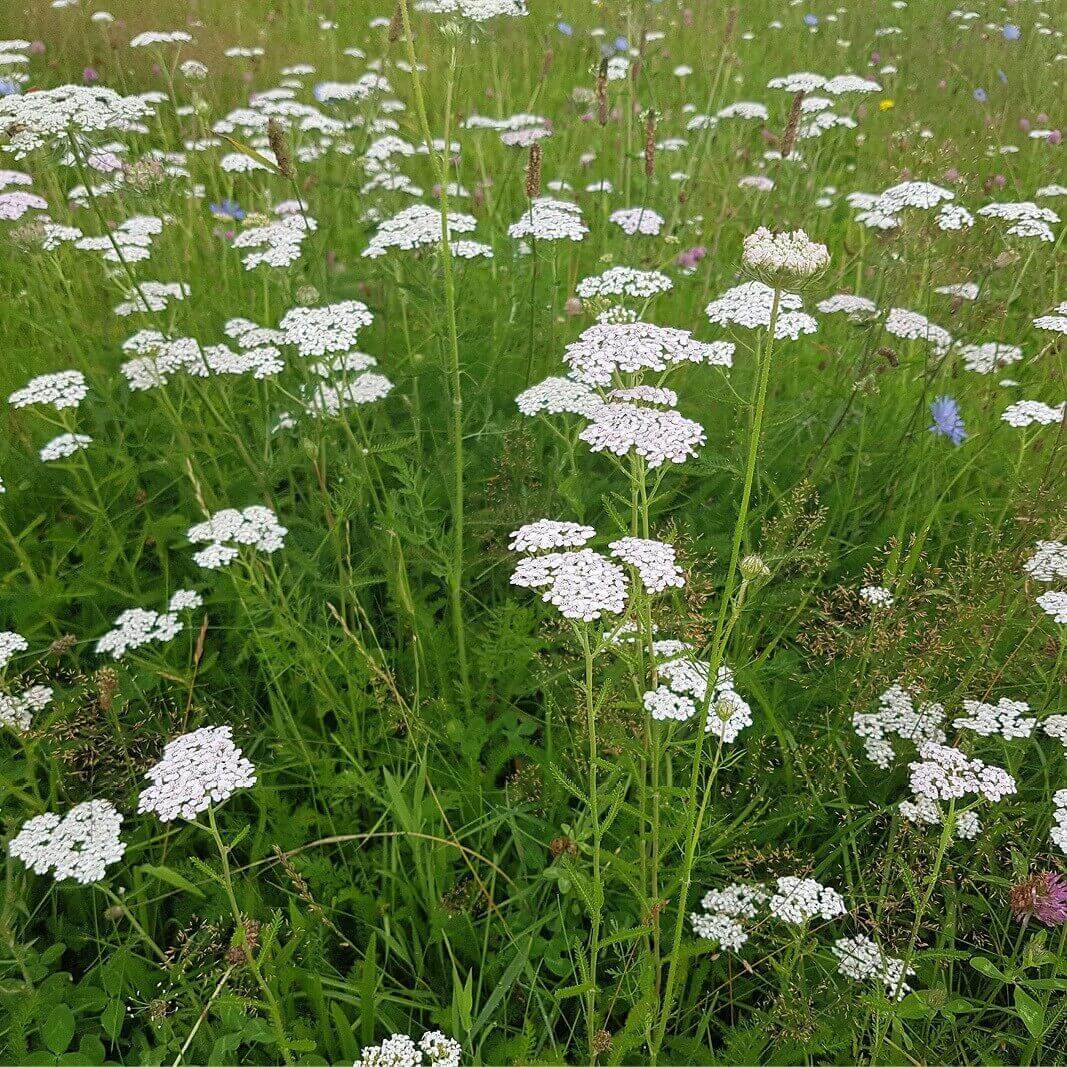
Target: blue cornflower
{"type": "Point", "coordinates": [228, 209]}
{"type": "Point", "coordinates": [980, 95]}
{"type": "Point", "coordinates": [565, 28]}
{"type": "Point", "coordinates": [811, 20]}
{"type": "Point", "coordinates": [1011, 32]}
{"type": "Point", "coordinates": [1002, 77]}
{"type": "Point", "coordinates": [947, 419]}
{"type": "Point", "coordinates": [9, 87]}
{"type": "Point", "coordinates": [621, 44]}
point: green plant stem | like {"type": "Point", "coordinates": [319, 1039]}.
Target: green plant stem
{"type": "Point", "coordinates": [249, 953]}
{"type": "Point", "coordinates": [456, 570]}
{"type": "Point", "coordinates": [695, 811]}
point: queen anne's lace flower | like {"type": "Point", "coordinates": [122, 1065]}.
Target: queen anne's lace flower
{"type": "Point", "coordinates": [197, 770]}
{"type": "Point", "coordinates": [80, 845]}
{"type": "Point", "coordinates": [784, 254]}
{"type": "Point", "coordinates": [858, 306]}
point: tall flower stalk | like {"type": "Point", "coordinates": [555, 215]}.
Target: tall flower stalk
{"type": "Point", "coordinates": [455, 583]}
{"type": "Point", "coordinates": [695, 812]}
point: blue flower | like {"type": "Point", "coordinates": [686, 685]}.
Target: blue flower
{"type": "Point", "coordinates": [811, 20]}
{"type": "Point", "coordinates": [565, 28]}
{"type": "Point", "coordinates": [228, 209]}
{"type": "Point", "coordinates": [947, 420]}
{"type": "Point", "coordinates": [1002, 76]}
{"type": "Point", "coordinates": [980, 95]}
{"type": "Point", "coordinates": [1011, 32]}
{"type": "Point", "coordinates": [9, 87]}
{"type": "Point", "coordinates": [621, 44]}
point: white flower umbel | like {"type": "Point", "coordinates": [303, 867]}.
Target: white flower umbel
{"type": "Point", "coordinates": [227, 530]}
{"type": "Point", "coordinates": [877, 596]}
{"type": "Point", "coordinates": [1054, 604]}
{"type": "Point", "coordinates": [64, 446]}
{"type": "Point", "coordinates": [785, 256]}
{"type": "Point", "coordinates": [65, 389]}
{"type": "Point", "coordinates": [556, 396]}
{"type": "Point", "coordinates": [897, 716]}
{"type": "Point", "coordinates": [726, 912]}
{"type": "Point", "coordinates": [197, 770]}
{"type": "Point", "coordinates": [1048, 562]}
{"type": "Point", "coordinates": [1004, 718]}
{"type": "Point", "coordinates": [137, 627]}
{"type": "Point", "coordinates": [861, 959]}
{"type": "Point", "coordinates": [638, 220]}
{"type": "Point", "coordinates": [798, 900]}
{"type": "Point", "coordinates": [1030, 412]}
{"type": "Point", "coordinates": [624, 282]}
{"type": "Point", "coordinates": [1059, 820]}
{"type": "Point", "coordinates": [415, 227]}
{"type": "Point", "coordinates": [548, 534]}
{"type": "Point", "coordinates": [16, 709]}
{"type": "Point", "coordinates": [654, 562]}
{"type": "Point", "coordinates": [333, 328]}
{"type": "Point", "coordinates": [581, 584]}
{"type": "Point", "coordinates": [550, 220]}
{"type": "Point", "coordinates": [10, 643]}
{"type": "Point", "coordinates": [434, 1049]}
{"type": "Point", "coordinates": [750, 305]}
{"type": "Point", "coordinates": [80, 845]}
{"type": "Point", "coordinates": [658, 437]}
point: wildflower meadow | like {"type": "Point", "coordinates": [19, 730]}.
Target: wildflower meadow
{"type": "Point", "coordinates": [533, 532]}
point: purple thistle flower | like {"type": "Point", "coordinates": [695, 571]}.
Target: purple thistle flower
{"type": "Point", "coordinates": [947, 420]}
{"type": "Point", "coordinates": [1042, 897]}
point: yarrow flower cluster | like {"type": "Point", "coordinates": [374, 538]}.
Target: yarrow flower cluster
{"type": "Point", "coordinates": [10, 643]}
{"type": "Point", "coordinates": [683, 689]}
{"type": "Point", "coordinates": [750, 305]}
{"type": "Point", "coordinates": [1005, 719]}
{"type": "Point", "coordinates": [1059, 820]}
{"type": "Point", "coordinates": [415, 227]}
{"type": "Point", "coordinates": [34, 120]}
{"type": "Point", "coordinates": [635, 220]}
{"type": "Point", "coordinates": [137, 627]}
{"type": "Point", "coordinates": [1048, 562]}
{"type": "Point", "coordinates": [624, 282]}
{"type": "Point", "coordinates": [434, 1049]}
{"type": "Point", "coordinates": [658, 437]}
{"type": "Point", "coordinates": [550, 220]}
{"type": "Point", "coordinates": [314, 331]}
{"type": "Point", "coordinates": [654, 562]}
{"type": "Point", "coordinates": [197, 770]}
{"type": "Point", "coordinates": [547, 534]}
{"type": "Point", "coordinates": [861, 959]}
{"type": "Point", "coordinates": [897, 716]}
{"type": "Point", "coordinates": [877, 596]}
{"type": "Point", "coordinates": [581, 584]}
{"type": "Point", "coordinates": [1030, 412]}
{"type": "Point", "coordinates": [16, 709]}
{"type": "Point", "coordinates": [227, 530]}
{"type": "Point", "coordinates": [64, 446]}
{"type": "Point", "coordinates": [81, 844]}
{"type": "Point", "coordinates": [729, 911]}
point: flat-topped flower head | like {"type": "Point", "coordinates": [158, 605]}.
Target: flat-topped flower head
{"type": "Point", "coordinates": [784, 257]}
{"type": "Point", "coordinates": [549, 534]}
{"type": "Point", "coordinates": [314, 331]}
{"type": "Point", "coordinates": [229, 529]}
{"type": "Point", "coordinates": [750, 305]}
{"type": "Point", "coordinates": [550, 220]}
{"type": "Point", "coordinates": [1025, 413]}
{"type": "Point", "coordinates": [81, 844]}
{"type": "Point", "coordinates": [16, 709]}
{"type": "Point", "coordinates": [556, 396]}
{"type": "Point", "coordinates": [624, 282]}
{"type": "Point", "coordinates": [656, 436]}
{"type": "Point", "coordinates": [654, 562]}
{"type": "Point", "coordinates": [581, 584]}
{"type": "Point", "coordinates": [861, 959]}
{"type": "Point", "coordinates": [34, 120]}
{"type": "Point", "coordinates": [1048, 562]}
{"type": "Point", "coordinates": [798, 900]}
{"type": "Point", "coordinates": [197, 770]}
{"type": "Point", "coordinates": [608, 349]}
{"type": "Point", "coordinates": [64, 446]}
{"type": "Point", "coordinates": [10, 644]}
{"type": "Point", "coordinates": [638, 220]}
{"type": "Point", "coordinates": [415, 227]}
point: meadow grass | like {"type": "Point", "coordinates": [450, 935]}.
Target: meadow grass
{"type": "Point", "coordinates": [464, 818]}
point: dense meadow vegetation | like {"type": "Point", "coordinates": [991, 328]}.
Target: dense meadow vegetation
{"type": "Point", "coordinates": [622, 623]}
